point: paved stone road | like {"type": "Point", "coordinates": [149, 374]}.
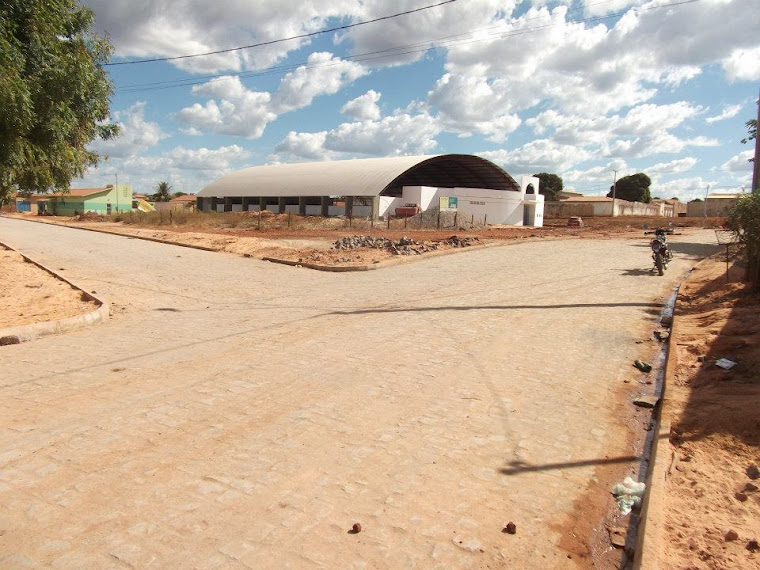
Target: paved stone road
{"type": "Point", "coordinates": [236, 413]}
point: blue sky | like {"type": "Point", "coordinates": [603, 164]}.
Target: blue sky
{"type": "Point", "coordinates": [577, 88]}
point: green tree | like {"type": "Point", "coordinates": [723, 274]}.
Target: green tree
{"type": "Point", "coordinates": [550, 185]}
{"type": "Point", "coordinates": [751, 131]}
{"type": "Point", "coordinates": [54, 94]}
{"type": "Point", "coordinates": [744, 220]}
{"type": "Point", "coordinates": [634, 188]}
{"type": "Point", "coordinates": [179, 193]}
{"type": "Point", "coordinates": [163, 192]}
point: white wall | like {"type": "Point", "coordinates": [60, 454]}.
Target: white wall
{"type": "Point", "coordinates": [388, 204]}
{"type": "Point", "coordinates": [420, 195]}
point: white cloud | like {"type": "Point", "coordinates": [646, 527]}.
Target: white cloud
{"type": "Point", "coordinates": [541, 155]}
{"type": "Point", "coordinates": [739, 163]}
{"type": "Point", "coordinates": [398, 134]}
{"type": "Point", "coordinates": [469, 104]}
{"type": "Point", "coordinates": [728, 112]}
{"type": "Point", "coordinates": [405, 39]}
{"type": "Point", "coordinates": [137, 134]}
{"type": "Point", "coordinates": [674, 166]}
{"type": "Point", "coordinates": [243, 112]}
{"type": "Point", "coordinates": [363, 107]}
{"type": "Point", "coordinates": [185, 169]}
{"type": "Point", "coordinates": [324, 75]}
{"type": "Point", "coordinates": [145, 29]}
{"type": "Point", "coordinates": [743, 64]}
{"type": "Point", "coordinates": [310, 146]}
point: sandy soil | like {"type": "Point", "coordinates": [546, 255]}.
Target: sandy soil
{"type": "Point", "coordinates": [712, 504]}
{"type": "Point", "coordinates": [30, 295]}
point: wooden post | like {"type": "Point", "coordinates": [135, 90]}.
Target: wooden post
{"type": "Point", "coordinates": [485, 219]}
{"type": "Point", "coordinates": [472, 221]}
{"type": "Point", "coordinates": [405, 219]}
{"type": "Point", "coordinates": [288, 219]}
{"type": "Point", "coordinates": [258, 223]}
{"type": "Point", "coordinates": [438, 225]}
{"type": "Point", "coordinates": [389, 221]}
{"type": "Point", "coordinates": [456, 215]}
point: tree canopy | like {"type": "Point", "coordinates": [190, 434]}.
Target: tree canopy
{"type": "Point", "coordinates": [550, 185]}
{"type": "Point", "coordinates": [163, 192]}
{"type": "Point", "coordinates": [54, 94]}
{"type": "Point", "coordinates": [634, 188]}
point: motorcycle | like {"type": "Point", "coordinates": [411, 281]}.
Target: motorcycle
{"type": "Point", "coordinates": [661, 254]}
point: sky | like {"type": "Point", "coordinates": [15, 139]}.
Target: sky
{"type": "Point", "coordinates": [587, 89]}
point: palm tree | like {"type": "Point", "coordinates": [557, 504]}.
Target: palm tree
{"type": "Point", "coordinates": [163, 192]}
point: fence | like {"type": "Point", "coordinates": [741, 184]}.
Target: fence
{"type": "Point", "coordinates": [434, 219]}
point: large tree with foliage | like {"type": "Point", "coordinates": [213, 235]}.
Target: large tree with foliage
{"type": "Point", "coordinates": [550, 185]}
{"type": "Point", "coordinates": [634, 188]}
{"type": "Point", "coordinates": [54, 94]}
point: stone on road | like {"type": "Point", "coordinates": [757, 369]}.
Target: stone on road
{"type": "Point", "coordinates": [239, 413]}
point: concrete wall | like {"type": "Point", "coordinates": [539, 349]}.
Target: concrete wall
{"type": "Point", "coordinates": [716, 207]}
{"type": "Point", "coordinates": [565, 209]}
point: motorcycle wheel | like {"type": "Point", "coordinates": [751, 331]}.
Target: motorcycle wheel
{"type": "Point", "coordinates": [659, 263]}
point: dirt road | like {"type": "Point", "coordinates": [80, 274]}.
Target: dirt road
{"type": "Point", "coordinates": [238, 413]}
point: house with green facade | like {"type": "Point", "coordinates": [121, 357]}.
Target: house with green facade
{"type": "Point", "coordinates": [107, 200]}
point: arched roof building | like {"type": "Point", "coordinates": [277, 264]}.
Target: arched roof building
{"type": "Point", "coordinates": [362, 177]}
{"type": "Point", "coordinates": [379, 187]}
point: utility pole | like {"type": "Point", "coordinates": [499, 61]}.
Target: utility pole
{"type": "Point", "coordinates": [614, 191]}
{"type": "Point", "coordinates": [756, 165]}
{"type": "Point", "coordinates": [704, 207]}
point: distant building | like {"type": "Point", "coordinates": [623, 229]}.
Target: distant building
{"type": "Point", "coordinates": [717, 204]}
{"type": "Point", "coordinates": [106, 200]}
{"type": "Point", "coordinates": [565, 194]}
{"type": "Point", "coordinates": [186, 202]}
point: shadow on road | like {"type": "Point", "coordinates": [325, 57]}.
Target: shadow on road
{"type": "Point", "coordinates": [516, 467]}
{"type": "Point", "coordinates": [658, 306]}
{"type": "Point", "coordinates": [636, 272]}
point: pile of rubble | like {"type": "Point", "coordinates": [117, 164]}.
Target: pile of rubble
{"type": "Point", "coordinates": [404, 246]}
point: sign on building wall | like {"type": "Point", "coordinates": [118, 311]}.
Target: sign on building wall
{"type": "Point", "coordinates": [448, 202]}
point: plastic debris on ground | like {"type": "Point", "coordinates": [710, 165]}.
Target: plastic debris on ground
{"type": "Point", "coordinates": [628, 494]}
{"type": "Point", "coordinates": [725, 363]}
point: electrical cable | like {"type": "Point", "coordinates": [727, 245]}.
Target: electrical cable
{"type": "Point", "coordinates": [271, 42]}
{"type": "Point", "coordinates": [419, 47]}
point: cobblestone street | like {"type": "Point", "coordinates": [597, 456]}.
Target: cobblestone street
{"type": "Point", "coordinates": [238, 413]}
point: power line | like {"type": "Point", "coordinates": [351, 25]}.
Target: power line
{"type": "Point", "coordinates": [271, 42]}
{"type": "Point", "coordinates": [445, 41]}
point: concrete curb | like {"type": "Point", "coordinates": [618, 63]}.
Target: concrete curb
{"type": "Point", "coordinates": [113, 233]}
{"type": "Point", "coordinates": [650, 532]}
{"type": "Point", "coordinates": [330, 268]}
{"type": "Point", "coordinates": [33, 331]}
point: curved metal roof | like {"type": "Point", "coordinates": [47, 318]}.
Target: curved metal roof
{"type": "Point", "coordinates": [362, 177]}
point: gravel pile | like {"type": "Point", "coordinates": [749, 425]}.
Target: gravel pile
{"type": "Point", "coordinates": [404, 246]}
